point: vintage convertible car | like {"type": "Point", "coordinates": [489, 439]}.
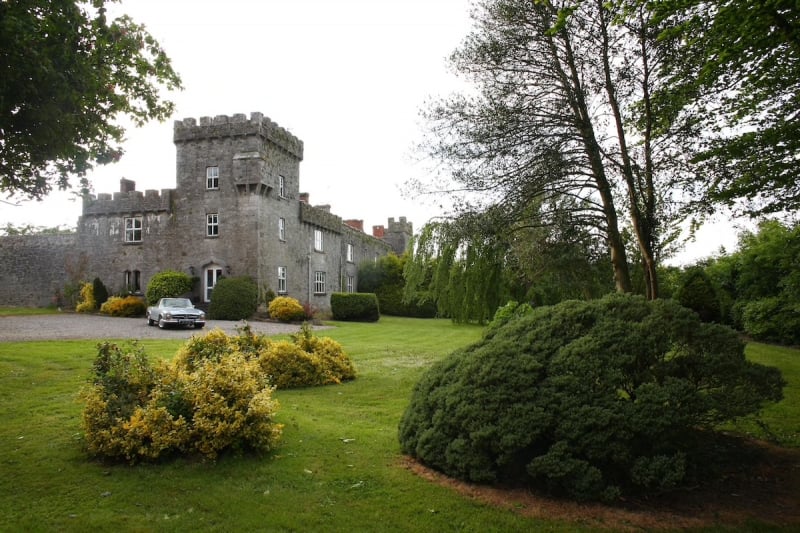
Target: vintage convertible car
{"type": "Point", "coordinates": [175, 312]}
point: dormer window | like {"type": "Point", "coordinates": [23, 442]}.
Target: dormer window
{"type": "Point", "coordinates": [212, 178]}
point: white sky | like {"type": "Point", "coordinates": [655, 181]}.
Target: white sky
{"type": "Point", "coordinates": [348, 77]}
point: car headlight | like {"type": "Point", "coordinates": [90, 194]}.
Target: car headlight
{"type": "Point", "coordinates": [167, 314]}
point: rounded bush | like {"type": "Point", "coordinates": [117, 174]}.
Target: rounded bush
{"type": "Point", "coordinates": [168, 284]}
{"type": "Point", "coordinates": [586, 399]}
{"type": "Point", "coordinates": [128, 306]}
{"type": "Point", "coordinates": [233, 299]}
{"type": "Point", "coordinates": [286, 309]}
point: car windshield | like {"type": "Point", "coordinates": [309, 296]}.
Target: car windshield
{"type": "Point", "coordinates": [177, 302]}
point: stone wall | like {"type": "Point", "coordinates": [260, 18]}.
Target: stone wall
{"type": "Point", "coordinates": [37, 267]}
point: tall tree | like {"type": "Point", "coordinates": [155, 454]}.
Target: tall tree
{"type": "Point", "coordinates": [731, 72]}
{"type": "Point", "coordinates": [68, 75]}
{"type": "Point", "coordinates": [558, 114]}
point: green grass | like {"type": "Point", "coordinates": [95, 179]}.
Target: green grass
{"type": "Point", "coordinates": [338, 468]}
{"type": "Point", "coordinates": [779, 423]}
{"type": "Point", "coordinates": [17, 311]}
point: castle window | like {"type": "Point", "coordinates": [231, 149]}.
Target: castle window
{"type": "Point", "coordinates": [212, 224]}
{"type": "Point", "coordinates": [281, 186]}
{"type": "Point", "coordinates": [318, 241]}
{"type": "Point", "coordinates": [282, 228]}
{"type": "Point", "coordinates": [351, 284]}
{"type": "Point", "coordinates": [133, 229]}
{"type": "Point", "coordinates": [281, 280]}
{"type": "Point", "coordinates": [212, 177]}
{"type": "Point", "coordinates": [319, 282]}
{"type": "Point", "coordinates": [349, 253]}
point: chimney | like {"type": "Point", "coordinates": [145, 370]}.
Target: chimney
{"type": "Point", "coordinates": [378, 231]}
{"type": "Point", "coordinates": [304, 197]}
{"type": "Point", "coordinates": [126, 185]}
{"type": "Point", "coordinates": [355, 224]}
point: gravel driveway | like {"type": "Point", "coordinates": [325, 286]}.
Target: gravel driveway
{"type": "Point", "coordinates": [80, 326]}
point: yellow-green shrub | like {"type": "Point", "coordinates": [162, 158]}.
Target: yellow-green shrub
{"type": "Point", "coordinates": [286, 309]}
{"type": "Point", "coordinates": [135, 412]}
{"type": "Point", "coordinates": [87, 303]}
{"type": "Point", "coordinates": [127, 306]}
{"type": "Point", "coordinates": [289, 366]}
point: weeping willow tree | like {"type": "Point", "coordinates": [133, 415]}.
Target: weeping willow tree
{"type": "Point", "coordinates": [463, 271]}
{"type": "Point", "coordinates": [533, 252]}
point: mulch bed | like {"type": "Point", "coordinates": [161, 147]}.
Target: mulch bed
{"type": "Point", "coordinates": [767, 492]}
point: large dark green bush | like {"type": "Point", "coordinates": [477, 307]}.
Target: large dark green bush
{"type": "Point", "coordinates": [356, 306]}
{"type": "Point", "coordinates": [233, 299]}
{"type": "Point", "coordinates": [168, 284]}
{"type": "Point", "coordinates": [591, 400]}
{"type": "Point", "coordinates": [697, 292]}
{"type": "Point", "coordinates": [775, 319]}
{"type": "Point", "coordinates": [385, 278]}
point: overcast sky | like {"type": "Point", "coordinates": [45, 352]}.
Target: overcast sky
{"type": "Point", "coordinates": [348, 77]}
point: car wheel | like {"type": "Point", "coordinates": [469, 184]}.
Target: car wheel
{"type": "Point", "coordinates": [161, 322]}
{"type": "Point", "coordinates": [150, 321]}
{"type": "Point", "coordinates": [198, 326]}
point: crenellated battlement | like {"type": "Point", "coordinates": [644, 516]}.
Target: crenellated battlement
{"type": "Point", "coordinates": [400, 226]}
{"type": "Point", "coordinates": [190, 129]}
{"type": "Point", "coordinates": [151, 201]}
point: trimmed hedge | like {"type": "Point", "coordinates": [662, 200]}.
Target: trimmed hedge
{"type": "Point", "coordinates": [233, 299]}
{"type": "Point", "coordinates": [128, 306]}
{"type": "Point", "coordinates": [355, 306]}
{"type": "Point", "coordinates": [168, 284]}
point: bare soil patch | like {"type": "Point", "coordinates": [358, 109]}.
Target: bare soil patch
{"type": "Point", "coordinates": [767, 491]}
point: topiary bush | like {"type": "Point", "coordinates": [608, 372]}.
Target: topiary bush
{"type": "Point", "coordinates": [286, 309]}
{"type": "Point", "coordinates": [87, 303]}
{"type": "Point", "coordinates": [167, 284]}
{"type": "Point", "coordinates": [100, 292]}
{"type": "Point", "coordinates": [697, 292]}
{"type": "Point", "coordinates": [356, 306]}
{"type": "Point", "coordinates": [127, 306]}
{"type": "Point", "coordinates": [233, 299]}
{"type": "Point", "coordinates": [591, 400]}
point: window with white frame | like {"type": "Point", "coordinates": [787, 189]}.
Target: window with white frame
{"type": "Point", "coordinates": [281, 186]}
{"type": "Point", "coordinates": [212, 177]}
{"type": "Point", "coordinates": [319, 282]}
{"type": "Point", "coordinates": [318, 240]}
{"type": "Point", "coordinates": [281, 280]}
{"type": "Point", "coordinates": [282, 228]}
{"type": "Point", "coordinates": [349, 253]}
{"type": "Point", "coordinates": [133, 229]}
{"type": "Point", "coordinates": [351, 284]}
{"type": "Point", "coordinates": [212, 224]}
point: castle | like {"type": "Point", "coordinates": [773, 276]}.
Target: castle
{"type": "Point", "coordinates": [236, 210]}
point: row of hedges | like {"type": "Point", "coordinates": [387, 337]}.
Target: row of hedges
{"type": "Point", "coordinates": [214, 396]}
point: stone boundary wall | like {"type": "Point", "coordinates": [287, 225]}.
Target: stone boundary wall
{"type": "Point", "coordinates": [36, 267]}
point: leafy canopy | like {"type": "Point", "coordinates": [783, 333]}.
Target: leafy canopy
{"type": "Point", "coordinates": [69, 75]}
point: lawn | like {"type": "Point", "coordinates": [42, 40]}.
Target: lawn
{"type": "Point", "coordinates": [338, 467]}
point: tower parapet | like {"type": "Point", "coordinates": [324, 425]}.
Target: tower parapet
{"type": "Point", "coordinates": [190, 129]}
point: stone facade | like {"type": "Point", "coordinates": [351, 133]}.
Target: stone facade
{"type": "Point", "coordinates": [236, 210]}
